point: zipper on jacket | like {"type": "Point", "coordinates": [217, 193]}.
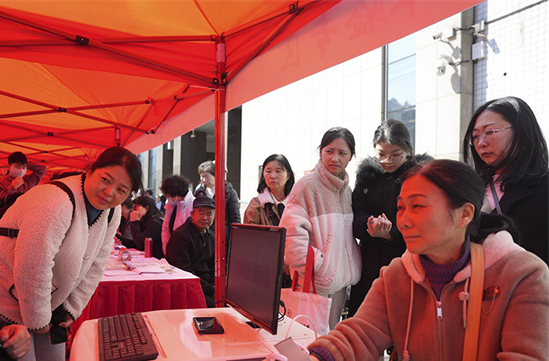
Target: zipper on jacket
{"type": "Point", "coordinates": [438, 304]}
{"type": "Point", "coordinates": [439, 330]}
{"type": "Point", "coordinates": [439, 310]}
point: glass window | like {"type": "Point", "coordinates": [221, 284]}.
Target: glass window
{"type": "Point", "coordinates": [401, 82]}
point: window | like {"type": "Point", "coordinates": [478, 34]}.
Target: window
{"type": "Point", "coordinates": [401, 82]}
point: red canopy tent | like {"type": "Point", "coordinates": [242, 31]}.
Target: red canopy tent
{"type": "Point", "coordinates": [79, 76]}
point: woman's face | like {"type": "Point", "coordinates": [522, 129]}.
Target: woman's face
{"type": "Point", "coordinates": [491, 151]}
{"type": "Point", "coordinates": [207, 179]}
{"type": "Point", "coordinates": [107, 187]}
{"type": "Point", "coordinates": [335, 156]}
{"type": "Point", "coordinates": [427, 223]}
{"type": "Point", "coordinates": [140, 209]}
{"type": "Point", "coordinates": [390, 157]}
{"type": "Point", "coordinates": [275, 176]}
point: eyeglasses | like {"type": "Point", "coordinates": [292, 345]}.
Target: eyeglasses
{"type": "Point", "coordinates": [488, 135]}
{"type": "Point", "coordinates": [382, 158]}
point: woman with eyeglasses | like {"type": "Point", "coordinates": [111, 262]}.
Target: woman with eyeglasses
{"type": "Point", "coordinates": [375, 203]}
{"type": "Point", "coordinates": [423, 303]}
{"type": "Point", "coordinates": [506, 146]}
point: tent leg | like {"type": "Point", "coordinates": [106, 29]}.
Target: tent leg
{"type": "Point", "coordinates": [220, 96]}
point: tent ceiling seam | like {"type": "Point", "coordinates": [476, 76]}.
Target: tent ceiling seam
{"type": "Point", "coordinates": [90, 42]}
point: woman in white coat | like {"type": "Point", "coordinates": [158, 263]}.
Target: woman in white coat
{"type": "Point", "coordinates": [319, 213]}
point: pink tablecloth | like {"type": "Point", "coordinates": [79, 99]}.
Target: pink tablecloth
{"type": "Point", "coordinates": [142, 292]}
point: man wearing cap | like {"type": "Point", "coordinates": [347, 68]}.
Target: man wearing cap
{"type": "Point", "coordinates": [17, 181]}
{"type": "Point", "coordinates": [192, 246]}
{"type": "Point", "coordinates": [206, 170]}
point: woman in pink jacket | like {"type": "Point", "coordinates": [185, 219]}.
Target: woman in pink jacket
{"type": "Point", "coordinates": [419, 302]}
{"type": "Point", "coordinates": [319, 213]}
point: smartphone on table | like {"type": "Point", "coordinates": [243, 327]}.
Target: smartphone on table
{"type": "Point", "coordinates": [208, 325]}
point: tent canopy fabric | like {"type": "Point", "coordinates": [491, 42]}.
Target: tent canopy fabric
{"type": "Point", "coordinates": [79, 76]}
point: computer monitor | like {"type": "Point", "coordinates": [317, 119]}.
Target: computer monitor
{"type": "Point", "coordinates": [254, 273]}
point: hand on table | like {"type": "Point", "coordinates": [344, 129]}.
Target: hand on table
{"type": "Point", "coordinates": [15, 339]}
{"type": "Point", "coordinates": [379, 226]}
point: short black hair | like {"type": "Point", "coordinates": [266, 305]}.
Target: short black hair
{"type": "Point", "coordinates": [17, 158]}
{"type": "Point", "coordinates": [122, 157]}
{"type": "Point", "coordinates": [128, 203]}
{"type": "Point", "coordinates": [175, 185]}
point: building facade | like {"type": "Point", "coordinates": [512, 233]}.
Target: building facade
{"type": "Point", "coordinates": [432, 80]}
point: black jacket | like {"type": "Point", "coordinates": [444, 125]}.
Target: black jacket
{"type": "Point", "coordinates": [232, 209]}
{"type": "Point", "coordinates": [194, 252]}
{"type": "Point", "coordinates": [527, 203]}
{"type": "Point", "coordinates": [376, 192]}
{"type": "Point", "coordinates": [151, 228]}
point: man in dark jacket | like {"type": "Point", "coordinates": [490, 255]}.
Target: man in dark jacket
{"type": "Point", "coordinates": [207, 188]}
{"type": "Point", "coordinates": [192, 246]}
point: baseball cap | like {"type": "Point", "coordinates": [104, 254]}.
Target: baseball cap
{"type": "Point", "coordinates": [203, 201]}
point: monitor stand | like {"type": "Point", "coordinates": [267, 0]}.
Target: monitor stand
{"type": "Point", "coordinates": [253, 325]}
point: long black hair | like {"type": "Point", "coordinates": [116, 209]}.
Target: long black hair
{"type": "Point", "coordinates": [150, 204]}
{"type": "Point", "coordinates": [461, 184]}
{"type": "Point", "coordinates": [527, 155]}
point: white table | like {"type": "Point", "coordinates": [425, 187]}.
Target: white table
{"type": "Point", "coordinates": [177, 340]}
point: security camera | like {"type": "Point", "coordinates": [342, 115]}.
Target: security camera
{"type": "Point", "coordinates": [441, 67]}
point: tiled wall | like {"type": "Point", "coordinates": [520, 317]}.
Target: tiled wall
{"type": "Point", "coordinates": [517, 55]}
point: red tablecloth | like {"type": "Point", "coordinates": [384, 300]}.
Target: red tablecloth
{"type": "Point", "coordinates": [114, 297]}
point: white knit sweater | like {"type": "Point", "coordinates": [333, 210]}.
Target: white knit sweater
{"type": "Point", "coordinates": [54, 260]}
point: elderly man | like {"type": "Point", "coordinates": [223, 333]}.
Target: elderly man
{"type": "Point", "coordinates": [192, 246]}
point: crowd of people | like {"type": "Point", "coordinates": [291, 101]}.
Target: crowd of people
{"type": "Point", "coordinates": [397, 248]}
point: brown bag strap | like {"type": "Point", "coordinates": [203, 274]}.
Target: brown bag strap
{"type": "Point", "coordinates": [472, 329]}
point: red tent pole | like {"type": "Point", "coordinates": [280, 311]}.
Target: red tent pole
{"type": "Point", "coordinates": [220, 97]}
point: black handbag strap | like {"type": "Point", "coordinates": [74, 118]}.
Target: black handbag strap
{"type": "Point", "coordinates": [495, 197]}
{"type": "Point", "coordinates": [13, 233]}
{"type": "Point", "coordinates": [172, 219]}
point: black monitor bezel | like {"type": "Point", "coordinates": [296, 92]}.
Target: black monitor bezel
{"type": "Point", "coordinates": [273, 326]}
